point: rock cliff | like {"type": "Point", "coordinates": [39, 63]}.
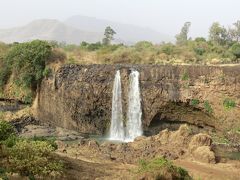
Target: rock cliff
{"type": "Point", "coordinates": [78, 97]}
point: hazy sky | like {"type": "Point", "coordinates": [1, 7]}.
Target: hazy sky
{"type": "Point", "coordinates": [165, 16]}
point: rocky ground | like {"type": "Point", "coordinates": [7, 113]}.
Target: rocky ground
{"type": "Point", "coordinates": [86, 158]}
{"type": "Point", "coordinates": [119, 161]}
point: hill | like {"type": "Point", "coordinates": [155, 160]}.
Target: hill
{"type": "Point", "coordinates": [125, 32]}
{"type": "Point", "coordinates": [47, 29]}
{"type": "Point", "coordinates": [77, 29]}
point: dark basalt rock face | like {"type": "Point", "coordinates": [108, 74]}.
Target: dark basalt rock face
{"type": "Point", "coordinates": [79, 97]}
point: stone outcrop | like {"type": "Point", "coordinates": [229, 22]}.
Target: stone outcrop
{"type": "Point", "coordinates": [78, 97]}
{"type": "Point", "coordinates": [169, 144]}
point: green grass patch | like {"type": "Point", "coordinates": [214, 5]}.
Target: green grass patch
{"type": "Point", "coordinates": [208, 107]}
{"type": "Point", "coordinates": [229, 103]}
{"type": "Point", "coordinates": [219, 139]}
{"type": "Point", "coordinates": [185, 76]}
{"type": "Point", "coordinates": [194, 102]}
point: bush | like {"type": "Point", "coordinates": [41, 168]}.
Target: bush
{"type": "Point", "coordinates": [11, 141]}
{"type": "Point", "coordinates": [6, 130]}
{"type": "Point", "coordinates": [30, 158]}
{"type": "Point", "coordinates": [229, 103]}
{"type": "Point", "coordinates": [50, 140]}
{"type": "Point", "coordinates": [236, 50]}
{"type": "Point", "coordinates": [161, 168]}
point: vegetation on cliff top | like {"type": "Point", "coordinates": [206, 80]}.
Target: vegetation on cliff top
{"type": "Point", "coordinates": [24, 65]}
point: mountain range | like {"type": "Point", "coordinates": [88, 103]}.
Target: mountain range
{"type": "Point", "coordinates": [76, 29]}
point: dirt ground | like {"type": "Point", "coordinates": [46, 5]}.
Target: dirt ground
{"type": "Point", "coordinates": [81, 168]}
{"type": "Point", "coordinates": [203, 171]}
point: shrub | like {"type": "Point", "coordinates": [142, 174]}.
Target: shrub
{"type": "Point", "coordinates": [185, 76]}
{"type": "Point", "coordinates": [3, 175]}
{"type": "Point", "coordinates": [208, 107]}
{"type": "Point", "coordinates": [11, 141]}
{"type": "Point", "coordinates": [5, 72]}
{"type": "Point", "coordinates": [229, 103]}
{"type": "Point", "coordinates": [168, 49]}
{"type": "Point", "coordinates": [30, 158]}
{"type": "Point", "coordinates": [161, 168]}
{"type": "Point", "coordinates": [50, 140]}
{"type": "Point", "coordinates": [235, 49]}
{"type": "Point", "coordinates": [94, 46]}
{"type": "Point", "coordinates": [6, 130]}
{"type": "Point", "coordinates": [194, 102]}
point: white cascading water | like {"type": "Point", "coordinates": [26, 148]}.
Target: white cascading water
{"type": "Point", "coordinates": [134, 123]}
{"type": "Point", "coordinates": [117, 128]}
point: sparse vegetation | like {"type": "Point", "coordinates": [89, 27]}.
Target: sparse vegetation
{"type": "Point", "coordinates": [229, 103]}
{"type": "Point", "coordinates": [208, 107]}
{"type": "Point", "coordinates": [219, 139]}
{"type": "Point", "coordinates": [194, 102]}
{"type": "Point", "coordinates": [185, 76]}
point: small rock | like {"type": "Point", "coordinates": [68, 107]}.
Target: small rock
{"type": "Point", "coordinates": [140, 138]}
{"type": "Point", "coordinates": [93, 144]}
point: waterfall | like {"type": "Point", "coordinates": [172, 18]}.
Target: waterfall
{"type": "Point", "coordinates": [134, 123]}
{"type": "Point", "coordinates": [117, 128]}
{"type": "Point", "coordinates": [133, 127]}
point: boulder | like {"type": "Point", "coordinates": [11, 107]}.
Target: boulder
{"type": "Point", "coordinates": [204, 154]}
{"type": "Point", "coordinates": [164, 136]}
{"type": "Point", "coordinates": [198, 141]}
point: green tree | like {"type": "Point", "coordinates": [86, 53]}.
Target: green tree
{"type": "Point", "coordinates": [182, 37]}
{"type": "Point", "coordinates": [109, 33]}
{"type": "Point", "coordinates": [234, 32]}
{"type": "Point", "coordinates": [218, 34]}
{"type": "Point", "coordinates": [28, 61]}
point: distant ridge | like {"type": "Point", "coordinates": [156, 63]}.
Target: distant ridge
{"type": "Point", "coordinates": [77, 29]}
{"type": "Point", "coordinates": [125, 32]}
{"type": "Point", "coordinates": [47, 29]}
